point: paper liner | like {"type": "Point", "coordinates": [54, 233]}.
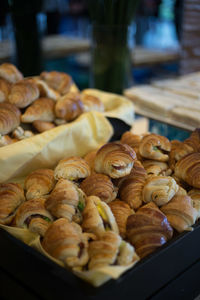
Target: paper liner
{"type": "Point", "coordinates": [116, 106]}
{"type": "Point", "coordinates": [88, 132]}
{"type": "Point", "coordinates": [22, 234]}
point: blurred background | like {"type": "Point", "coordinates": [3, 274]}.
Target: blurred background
{"type": "Point", "coordinates": [55, 35]}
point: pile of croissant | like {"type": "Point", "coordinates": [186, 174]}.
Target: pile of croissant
{"type": "Point", "coordinates": [33, 105]}
{"type": "Point", "coordinates": [119, 202]}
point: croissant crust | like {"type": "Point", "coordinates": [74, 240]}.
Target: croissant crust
{"type": "Point", "coordinates": [10, 73]}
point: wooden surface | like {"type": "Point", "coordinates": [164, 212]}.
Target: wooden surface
{"type": "Point", "coordinates": [61, 46]}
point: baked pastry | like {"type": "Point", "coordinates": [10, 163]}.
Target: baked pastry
{"type": "Point", "coordinates": [42, 109]}
{"type": "Point", "coordinates": [178, 150]}
{"type": "Point", "coordinates": [4, 90]}
{"type": "Point", "coordinates": [64, 199]}
{"type": "Point", "coordinates": [10, 73]}
{"type": "Point", "coordinates": [99, 185]}
{"type": "Point", "coordinates": [69, 106]}
{"type": "Point", "coordinates": [19, 133]}
{"type": "Point", "coordinates": [130, 187]}
{"type": "Point", "coordinates": [156, 147]}
{"type": "Point", "coordinates": [148, 229]}
{"type": "Point", "coordinates": [121, 212]}
{"type": "Point", "coordinates": [133, 140]}
{"type": "Point", "coordinates": [195, 196]}
{"type": "Point", "coordinates": [159, 189]}
{"type": "Point", "coordinates": [91, 103]}
{"type": "Point", "coordinates": [45, 90]}
{"type": "Point", "coordinates": [11, 197]}
{"type": "Point", "coordinates": [39, 183]}
{"type": "Point", "coordinates": [72, 168]}
{"type": "Point", "coordinates": [90, 158]}
{"type": "Point", "coordinates": [188, 169]}
{"type": "Point", "coordinates": [194, 140]}
{"type": "Point", "coordinates": [66, 242]}
{"type": "Point", "coordinates": [180, 213]}
{"type": "Point", "coordinates": [110, 249]}
{"type": "Point", "coordinates": [23, 93]}
{"type": "Point", "coordinates": [115, 159]}
{"type": "Point", "coordinates": [6, 140]}
{"type": "Point", "coordinates": [33, 215]}
{"type": "Point", "coordinates": [9, 117]}
{"type": "Point", "coordinates": [42, 126]}
{"type": "Point", "coordinates": [58, 81]}
{"type": "Point", "coordinates": [154, 167]}
{"type": "Point", "coordinates": [98, 217]}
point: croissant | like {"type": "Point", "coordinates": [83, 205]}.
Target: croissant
{"type": "Point", "coordinates": [45, 90]}
{"type": "Point", "coordinates": [154, 167]}
{"type": "Point", "coordinates": [33, 215]}
{"type": "Point", "coordinates": [115, 159]}
{"type": "Point", "coordinates": [156, 147]}
{"type": "Point", "coordinates": [59, 81]}
{"type": "Point", "coordinates": [39, 183]}
{"type": "Point", "coordinates": [133, 140]}
{"type": "Point", "coordinates": [23, 93]}
{"type": "Point", "coordinates": [10, 73]}
{"type": "Point", "coordinates": [99, 185]}
{"type": "Point", "coordinates": [64, 199]}
{"type": "Point", "coordinates": [69, 107]}
{"type": "Point", "coordinates": [4, 90]}
{"type": "Point", "coordinates": [90, 158]}
{"type": "Point", "coordinates": [194, 140]}
{"type": "Point", "coordinates": [11, 197]}
{"type": "Point", "coordinates": [159, 189]}
{"type": "Point", "coordinates": [148, 229]}
{"type": "Point", "coordinates": [42, 109]}
{"type": "Point", "coordinates": [66, 242]}
{"type": "Point", "coordinates": [42, 126]}
{"type": "Point", "coordinates": [72, 168]}
{"type": "Point", "coordinates": [178, 150]}
{"type": "Point", "coordinates": [180, 212]}
{"type": "Point", "coordinates": [188, 169]}
{"type": "Point", "coordinates": [194, 194]}
{"type": "Point", "coordinates": [130, 187]}
{"type": "Point", "coordinates": [121, 212]}
{"type": "Point", "coordinates": [110, 249]}
{"type": "Point", "coordinates": [9, 117]}
{"type": "Point", "coordinates": [91, 103]}
{"type": "Point", "coordinates": [98, 217]}
{"type": "Point", "coordinates": [20, 134]}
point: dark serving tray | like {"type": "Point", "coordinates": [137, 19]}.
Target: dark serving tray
{"type": "Point", "coordinates": [170, 272]}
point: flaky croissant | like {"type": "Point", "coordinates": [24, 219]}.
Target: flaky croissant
{"type": "Point", "coordinates": [91, 103]}
{"type": "Point", "coordinates": [133, 140]}
{"type": "Point", "coordinates": [11, 197]}
{"type": "Point", "coordinates": [39, 183]}
{"type": "Point", "coordinates": [188, 169]}
{"type": "Point", "coordinates": [194, 140]}
{"type": "Point", "coordinates": [64, 199]}
{"type": "Point", "coordinates": [4, 90]}
{"type": "Point", "coordinates": [45, 90]}
{"type": "Point", "coordinates": [42, 126]}
{"type": "Point", "coordinates": [154, 167]}
{"type": "Point", "coordinates": [58, 81]}
{"type": "Point", "coordinates": [10, 73]}
{"type": "Point", "coordinates": [148, 229]}
{"type": "Point", "coordinates": [178, 150]}
{"type": "Point", "coordinates": [90, 158]}
{"type": "Point", "coordinates": [65, 241]}
{"type": "Point", "coordinates": [159, 189]}
{"type": "Point", "coordinates": [194, 194]}
{"type": "Point", "coordinates": [23, 93]}
{"type": "Point", "coordinates": [69, 107]}
{"type": "Point", "coordinates": [33, 215]}
{"type": "Point", "coordinates": [99, 185]}
{"type": "Point", "coordinates": [121, 212]}
{"type": "Point", "coordinates": [98, 217]}
{"type": "Point", "coordinates": [72, 168]}
{"type": "Point", "coordinates": [115, 159]}
{"type": "Point", "coordinates": [9, 117]}
{"type": "Point", "coordinates": [156, 147]}
{"type": "Point", "coordinates": [180, 212]}
{"type": "Point", "coordinates": [110, 249]}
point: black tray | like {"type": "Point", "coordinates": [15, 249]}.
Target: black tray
{"type": "Point", "coordinates": [172, 271]}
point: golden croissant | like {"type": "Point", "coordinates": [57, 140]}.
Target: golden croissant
{"type": "Point", "coordinates": [133, 140]}
{"type": "Point", "coordinates": [58, 81]}
{"type": "Point", "coordinates": [115, 159]}
{"type": "Point", "coordinates": [180, 212]}
{"type": "Point", "coordinates": [42, 126]}
{"type": "Point", "coordinates": [178, 150]}
{"type": "Point", "coordinates": [69, 106]}
{"type": "Point", "coordinates": [42, 109]}
{"type": "Point", "coordinates": [159, 189]}
{"type": "Point", "coordinates": [39, 183]}
{"type": "Point", "coordinates": [4, 90]}
{"type": "Point", "coordinates": [72, 168]}
{"type": "Point", "coordinates": [45, 90]}
{"type": "Point", "coordinates": [99, 185]}
{"type": "Point", "coordinates": [65, 241]}
{"type": "Point", "coordinates": [9, 117]}
{"type": "Point", "coordinates": [10, 73]}
{"type": "Point", "coordinates": [91, 103]}
{"type": "Point", "coordinates": [195, 196]}
{"type": "Point", "coordinates": [11, 197]}
{"type": "Point", "coordinates": [23, 93]}
{"type": "Point", "coordinates": [154, 167]}
{"type": "Point", "coordinates": [90, 158]}
{"type": "Point", "coordinates": [33, 215]}
{"type": "Point", "coordinates": [156, 147]}
{"type": "Point", "coordinates": [148, 229]}
{"type": "Point", "coordinates": [194, 140]}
